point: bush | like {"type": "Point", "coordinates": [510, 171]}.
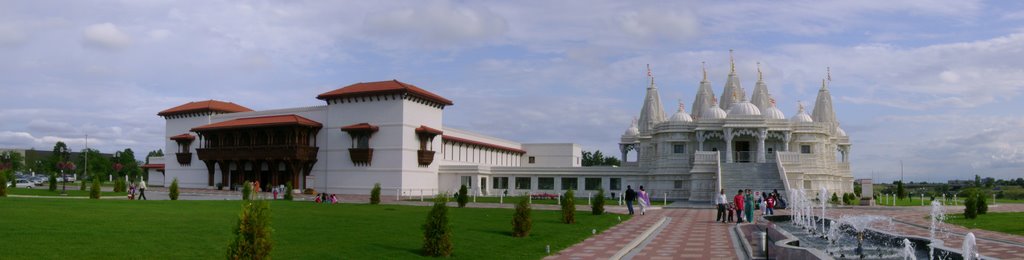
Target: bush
{"type": "Point", "coordinates": [598, 207]}
{"type": "Point", "coordinates": [463, 197]}
{"type": "Point", "coordinates": [835, 199]}
{"type": "Point", "coordinates": [246, 190]}
{"type": "Point", "coordinates": [53, 182]}
{"type": "Point", "coordinates": [970, 205]}
{"type": "Point", "coordinates": [220, 186]}
{"type": "Point", "coordinates": [288, 191]}
{"type": "Point", "coordinates": [569, 207]}
{"type": "Point", "coordinates": [437, 232]}
{"type": "Point", "coordinates": [83, 182]}
{"type": "Point", "coordinates": [173, 193]}
{"type": "Point", "coordinates": [252, 233]}
{"type": "Point", "coordinates": [982, 204]}
{"type": "Point", "coordinates": [3, 185]}
{"type": "Point", "coordinates": [375, 194]}
{"type": "Point", "coordinates": [94, 191]}
{"type": "Point", "coordinates": [521, 220]}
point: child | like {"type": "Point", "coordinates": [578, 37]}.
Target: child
{"type": "Point", "coordinates": [732, 208]}
{"type": "Point", "coordinates": [275, 193]}
{"type": "Point", "coordinates": [317, 199]}
{"type": "Point", "coordinates": [334, 199]}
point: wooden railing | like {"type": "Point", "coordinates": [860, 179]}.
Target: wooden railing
{"type": "Point", "coordinates": [425, 157]}
{"type": "Point", "coordinates": [262, 152]}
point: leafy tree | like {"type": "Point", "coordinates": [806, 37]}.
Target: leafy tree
{"type": "Point", "coordinates": [970, 203]}
{"type": "Point", "coordinates": [857, 189]}
{"type": "Point", "coordinates": [597, 158]}
{"type": "Point", "coordinates": [569, 207]}
{"type": "Point", "coordinates": [83, 182]}
{"type": "Point", "coordinates": [288, 191]}
{"type": "Point", "coordinates": [16, 160]}
{"type": "Point", "coordinates": [437, 232]}
{"type": "Point", "coordinates": [598, 206]}
{"type": "Point", "coordinates": [522, 222]}
{"type": "Point", "coordinates": [375, 194]}
{"type": "Point", "coordinates": [901, 192]}
{"type": "Point", "coordinates": [463, 196]}
{"type": "Point", "coordinates": [99, 166]}
{"type": "Point", "coordinates": [835, 199]}
{"type": "Point", "coordinates": [94, 191]}
{"type": "Point", "coordinates": [989, 182]}
{"type": "Point", "coordinates": [173, 193]}
{"type": "Point", "coordinates": [982, 203]}
{"type": "Point", "coordinates": [3, 184]}
{"type": "Point", "coordinates": [252, 232]}
{"type": "Point", "coordinates": [53, 182]}
{"type": "Point", "coordinates": [246, 190]}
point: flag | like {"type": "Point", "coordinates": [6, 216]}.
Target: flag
{"type": "Point", "coordinates": [649, 74]}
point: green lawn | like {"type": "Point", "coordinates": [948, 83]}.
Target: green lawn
{"type": "Point", "coordinates": [512, 200]}
{"type": "Point", "coordinates": [1006, 222]}
{"type": "Point", "coordinates": [916, 201]}
{"type": "Point", "coordinates": [36, 228]}
{"type": "Point", "coordinates": [44, 191]}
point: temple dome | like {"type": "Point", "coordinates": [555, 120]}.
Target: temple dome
{"type": "Point", "coordinates": [713, 112]}
{"type": "Point", "coordinates": [632, 131]}
{"type": "Point", "coordinates": [681, 116]}
{"type": "Point", "coordinates": [743, 109]}
{"type": "Point", "coordinates": [840, 131]}
{"type": "Point", "coordinates": [801, 115]}
{"type": "Point", "coordinates": [774, 113]}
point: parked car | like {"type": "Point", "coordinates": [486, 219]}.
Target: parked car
{"type": "Point", "coordinates": [39, 180]}
{"type": "Point", "coordinates": [69, 178]}
{"type": "Point", "coordinates": [24, 183]}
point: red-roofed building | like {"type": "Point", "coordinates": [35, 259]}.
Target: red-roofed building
{"type": "Point", "coordinates": [203, 107]}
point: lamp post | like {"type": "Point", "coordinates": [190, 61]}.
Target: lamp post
{"type": "Point", "coordinates": [64, 164]}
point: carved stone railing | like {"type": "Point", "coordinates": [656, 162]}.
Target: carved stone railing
{"type": "Point", "coordinates": [789, 157]}
{"type": "Point", "coordinates": [263, 152]}
{"type": "Point", "coordinates": [185, 159]}
{"type": "Point", "coordinates": [361, 156]}
{"type": "Point", "coordinates": [425, 157]}
{"type": "Point", "coordinates": [705, 157]}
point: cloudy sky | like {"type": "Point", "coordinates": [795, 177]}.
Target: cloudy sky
{"type": "Point", "coordinates": [935, 84]}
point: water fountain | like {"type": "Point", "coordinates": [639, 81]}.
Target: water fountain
{"type": "Point", "coordinates": [823, 198]}
{"type": "Point", "coordinates": [908, 250]}
{"type": "Point", "coordinates": [969, 248]}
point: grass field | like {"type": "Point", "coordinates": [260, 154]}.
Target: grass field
{"type": "Point", "coordinates": [1006, 222]}
{"type": "Point", "coordinates": [36, 228]}
{"type": "Point", "coordinates": [43, 191]}
{"type": "Point", "coordinates": [916, 201]}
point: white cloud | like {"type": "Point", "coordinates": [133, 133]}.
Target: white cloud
{"type": "Point", "coordinates": [159, 34]}
{"type": "Point", "coordinates": [651, 24]}
{"type": "Point", "coordinates": [439, 24]}
{"type": "Point", "coordinates": [105, 36]}
{"type": "Point", "coordinates": [11, 35]}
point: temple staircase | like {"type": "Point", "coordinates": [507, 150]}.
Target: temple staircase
{"type": "Point", "coordinates": [754, 176]}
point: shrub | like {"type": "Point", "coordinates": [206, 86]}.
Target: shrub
{"type": "Point", "coordinates": [288, 191]}
{"type": "Point", "coordinates": [970, 205]}
{"type": "Point", "coordinates": [463, 197]}
{"type": "Point", "coordinates": [598, 207]}
{"type": "Point", "coordinates": [252, 233]}
{"type": "Point", "coordinates": [3, 185]}
{"type": "Point", "coordinates": [982, 204]}
{"type": "Point", "coordinates": [173, 193]}
{"type": "Point", "coordinates": [522, 223]}
{"type": "Point", "coordinates": [437, 232]}
{"type": "Point", "coordinates": [220, 186]}
{"type": "Point", "coordinates": [83, 182]}
{"type": "Point", "coordinates": [835, 199]}
{"type": "Point", "coordinates": [246, 190]}
{"type": "Point", "coordinates": [569, 207]}
{"type": "Point", "coordinates": [94, 191]}
{"type": "Point", "coordinates": [53, 182]}
{"type": "Point", "coordinates": [375, 194]}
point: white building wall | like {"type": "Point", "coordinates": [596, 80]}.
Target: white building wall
{"type": "Point", "coordinates": [552, 155]}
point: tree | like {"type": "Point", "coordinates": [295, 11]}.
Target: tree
{"type": "Point", "coordinates": [437, 232]}
{"type": "Point", "coordinates": [597, 158]}
{"type": "Point", "coordinates": [569, 207]}
{"type": "Point", "coordinates": [16, 160]}
{"type": "Point", "coordinates": [612, 161]}
{"type": "Point", "coordinates": [982, 204]}
{"type": "Point", "coordinates": [522, 222]}
{"type": "Point", "coordinates": [835, 199]}
{"type": "Point", "coordinates": [53, 182]}
{"type": "Point", "coordinates": [99, 166]}
{"type": "Point", "coordinates": [970, 204]}
{"type": "Point", "coordinates": [246, 190]}
{"type": "Point", "coordinates": [288, 191]}
{"type": "Point", "coordinates": [375, 194]}
{"type": "Point", "coordinates": [901, 192]}
{"type": "Point", "coordinates": [3, 184]}
{"type": "Point", "coordinates": [857, 189]}
{"type": "Point", "coordinates": [173, 193]}
{"type": "Point", "coordinates": [252, 232]}
{"type": "Point", "coordinates": [94, 191]}
{"type": "Point", "coordinates": [156, 153]}
{"type": "Point", "coordinates": [463, 196]}
{"type": "Point", "coordinates": [977, 181]}
{"type": "Point", "coordinates": [598, 206]}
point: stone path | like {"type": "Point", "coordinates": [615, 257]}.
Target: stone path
{"type": "Point", "coordinates": [691, 234]}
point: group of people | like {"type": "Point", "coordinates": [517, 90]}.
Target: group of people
{"type": "Point", "coordinates": [140, 187]}
{"type": "Point", "coordinates": [742, 205]}
{"type": "Point", "coordinates": [324, 198]}
{"type": "Point", "coordinates": [641, 196]}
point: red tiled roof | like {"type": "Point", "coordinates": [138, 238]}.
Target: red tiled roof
{"type": "Point", "coordinates": [182, 137]}
{"type": "Point", "coordinates": [204, 106]}
{"type": "Point", "coordinates": [360, 127]}
{"type": "Point", "coordinates": [427, 129]}
{"type": "Point", "coordinates": [278, 120]}
{"type": "Point", "coordinates": [159, 166]}
{"type": "Point", "coordinates": [363, 89]}
{"type": "Point", "coordinates": [481, 144]}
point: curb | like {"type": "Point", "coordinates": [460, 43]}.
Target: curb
{"type": "Point", "coordinates": [636, 241]}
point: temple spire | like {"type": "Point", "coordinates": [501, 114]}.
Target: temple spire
{"type": "Point", "coordinates": [704, 68]}
{"type": "Point", "coordinates": [705, 93]}
{"type": "Point", "coordinates": [761, 98]}
{"type": "Point", "coordinates": [823, 111]}
{"type": "Point", "coordinates": [652, 111]}
{"type": "Point", "coordinates": [732, 86]}
{"type": "Point", "coordinates": [732, 63]}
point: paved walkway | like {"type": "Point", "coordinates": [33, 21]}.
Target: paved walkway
{"type": "Point", "coordinates": [691, 234]}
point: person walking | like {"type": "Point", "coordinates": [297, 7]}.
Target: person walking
{"type": "Point", "coordinates": [771, 205]}
{"type": "Point", "coordinates": [142, 190]}
{"type": "Point", "coordinates": [738, 200]}
{"type": "Point", "coordinates": [644, 201]}
{"type": "Point", "coordinates": [748, 207]}
{"type": "Point", "coordinates": [630, 197]}
{"type": "Point", "coordinates": [722, 201]}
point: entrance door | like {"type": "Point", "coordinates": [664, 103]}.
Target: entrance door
{"type": "Point", "coordinates": [743, 151]}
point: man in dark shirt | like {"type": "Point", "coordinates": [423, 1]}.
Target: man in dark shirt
{"type": "Point", "coordinates": [630, 197]}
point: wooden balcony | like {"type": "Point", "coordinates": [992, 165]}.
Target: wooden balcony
{"type": "Point", "coordinates": [361, 156]}
{"type": "Point", "coordinates": [185, 159]}
{"type": "Point", "coordinates": [425, 157]}
{"type": "Point", "coordinates": [261, 152]}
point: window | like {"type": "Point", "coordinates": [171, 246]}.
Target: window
{"type": "Point", "coordinates": [592, 183]}
{"type": "Point", "coordinates": [468, 181]}
{"type": "Point", "coordinates": [679, 148]}
{"type": "Point", "coordinates": [523, 183]}
{"type": "Point", "coordinates": [500, 182]}
{"type": "Point", "coordinates": [546, 183]}
{"type": "Point", "coordinates": [570, 184]}
{"type": "Point", "coordinates": [363, 141]}
{"type": "Point", "coordinates": [533, 159]}
{"type": "Point", "coordinates": [805, 148]}
{"type": "Point", "coordinates": [615, 183]}
{"type": "Point", "coordinates": [678, 184]}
